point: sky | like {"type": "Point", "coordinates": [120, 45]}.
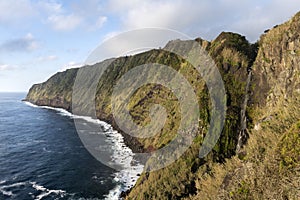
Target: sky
{"type": "Point", "coordinates": [41, 37]}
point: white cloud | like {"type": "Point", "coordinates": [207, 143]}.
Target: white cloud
{"type": "Point", "coordinates": [6, 67]}
{"type": "Point", "coordinates": [121, 5]}
{"type": "Point", "coordinates": [205, 18]}
{"type": "Point", "coordinates": [50, 7]}
{"type": "Point", "coordinates": [25, 44]}
{"type": "Point", "coordinates": [254, 22]}
{"type": "Point", "coordinates": [85, 14]}
{"type": "Point", "coordinates": [47, 58]}
{"type": "Point", "coordinates": [58, 17]}
{"type": "Point", "coordinates": [100, 22]}
{"type": "Point", "coordinates": [165, 14]}
{"type": "Point", "coordinates": [13, 11]}
{"type": "Point", "coordinates": [65, 22]}
{"type": "Point", "coordinates": [162, 15]}
{"type": "Point", "coordinates": [88, 14]}
{"type": "Point", "coordinates": [97, 24]}
{"type": "Point", "coordinates": [32, 42]}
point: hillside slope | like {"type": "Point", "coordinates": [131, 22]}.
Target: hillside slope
{"type": "Point", "coordinates": [262, 83]}
{"type": "Point", "coordinates": [268, 166]}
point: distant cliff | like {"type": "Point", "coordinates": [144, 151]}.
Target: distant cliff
{"type": "Point", "coordinates": [262, 83]}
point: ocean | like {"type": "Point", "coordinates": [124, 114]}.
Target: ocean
{"type": "Point", "coordinates": [42, 156]}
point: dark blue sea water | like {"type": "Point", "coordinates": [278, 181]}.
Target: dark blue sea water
{"type": "Point", "coordinates": [42, 156]}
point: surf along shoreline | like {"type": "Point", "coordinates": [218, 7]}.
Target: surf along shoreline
{"type": "Point", "coordinates": [127, 176]}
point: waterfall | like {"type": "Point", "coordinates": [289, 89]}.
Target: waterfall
{"type": "Point", "coordinates": [243, 133]}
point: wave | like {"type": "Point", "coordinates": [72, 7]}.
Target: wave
{"type": "Point", "coordinates": [123, 155]}
{"type": "Point", "coordinates": [64, 112]}
{"type": "Point", "coordinates": [6, 193]}
{"type": "Point", "coordinates": [46, 192]}
{"type": "Point", "coordinates": [4, 188]}
{"type": "Point", "coordinates": [42, 191]}
{"type": "Point", "coordinates": [14, 185]}
{"type": "Point", "coordinates": [30, 104]}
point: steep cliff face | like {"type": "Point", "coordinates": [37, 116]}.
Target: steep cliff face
{"type": "Point", "coordinates": [232, 63]}
{"type": "Point", "coordinates": [268, 167]}
{"type": "Point", "coordinates": [275, 87]}
{"type": "Point", "coordinates": [234, 56]}
{"type": "Point", "coordinates": [56, 92]}
{"type": "Point", "coordinates": [179, 180]}
{"type": "Point", "coordinates": [262, 83]}
{"type": "Point", "coordinates": [276, 69]}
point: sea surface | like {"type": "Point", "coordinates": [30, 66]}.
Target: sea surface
{"type": "Point", "coordinates": [42, 156]}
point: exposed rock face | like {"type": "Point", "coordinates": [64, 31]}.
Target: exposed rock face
{"type": "Point", "coordinates": [277, 69]}
{"type": "Point", "coordinates": [269, 71]}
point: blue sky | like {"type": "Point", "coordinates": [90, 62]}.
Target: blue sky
{"type": "Point", "coordinates": [41, 37]}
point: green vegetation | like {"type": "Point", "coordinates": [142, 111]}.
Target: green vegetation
{"type": "Point", "coordinates": [56, 92]}
{"type": "Point", "coordinates": [289, 148]}
{"type": "Point", "coordinates": [268, 165]}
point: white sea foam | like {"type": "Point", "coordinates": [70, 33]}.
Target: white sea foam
{"type": "Point", "coordinates": [6, 193]}
{"type": "Point", "coordinates": [38, 187]}
{"type": "Point", "coordinates": [46, 192]}
{"type": "Point", "coordinates": [122, 154]}
{"type": "Point", "coordinates": [30, 104]}
{"type": "Point", "coordinates": [4, 189]}
{"type": "Point", "coordinates": [114, 194]}
{"type": "Point", "coordinates": [14, 185]}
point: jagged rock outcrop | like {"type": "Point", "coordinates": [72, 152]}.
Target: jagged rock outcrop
{"type": "Point", "coordinates": [276, 69]}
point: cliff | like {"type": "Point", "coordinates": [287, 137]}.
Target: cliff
{"type": "Point", "coordinates": [255, 156]}
{"type": "Point", "coordinates": [268, 165]}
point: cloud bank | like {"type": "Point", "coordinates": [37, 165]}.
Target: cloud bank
{"type": "Point", "coordinates": [24, 44]}
{"type": "Point", "coordinates": [205, 18]}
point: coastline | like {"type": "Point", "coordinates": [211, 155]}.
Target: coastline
{"type": "Point", "coordinates": [129, 141]}
{"type": "Point", "coordinates": [128, 176]}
